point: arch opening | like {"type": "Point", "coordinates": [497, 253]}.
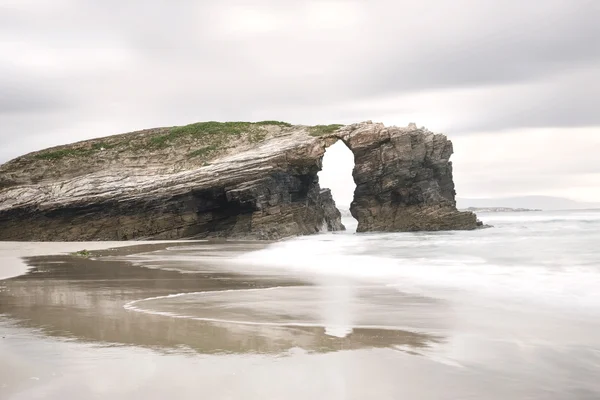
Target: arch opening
{"type": "Point", "coordinates": [336, 175]}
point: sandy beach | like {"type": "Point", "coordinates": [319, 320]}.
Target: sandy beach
{"type": "Point", "coordinates": [184, 320]}
{"type": "Point", "coordinates": [68, 306]}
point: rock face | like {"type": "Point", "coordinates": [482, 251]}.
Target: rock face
{"type": "Point", "coordinates": [403, 180]}
{"type": "Point", "coordinates": [242, 180]}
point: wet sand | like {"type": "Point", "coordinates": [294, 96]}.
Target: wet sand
{"type": "Point", "coordinates": [66, 301]}
{"type": "Point", "coordinates": [12, 253]}
{"type": "Point", "coordinates": [110, 326]}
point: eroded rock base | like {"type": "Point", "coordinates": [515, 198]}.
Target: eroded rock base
{"type": "Point", "coordinates": [280, 205]}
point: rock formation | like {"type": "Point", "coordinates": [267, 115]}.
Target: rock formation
{"type": "Point", "coordinates": [243, 180]}
{"type": "Point", "coordinates": [403, 180]}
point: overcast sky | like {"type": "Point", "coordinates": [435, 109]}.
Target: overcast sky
{"type": "Point", "coordinates": [514, 84]}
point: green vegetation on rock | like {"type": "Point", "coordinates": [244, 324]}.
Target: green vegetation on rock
{"type": "Point", "coordinates": [203, 152]}
{"type": "Point", "coordinates": [70, 152]}
{"type": "Point", "coordinates": [206, 139]}
{"type": "Point", "coordinates": [214, 133]}
{"type": "Point", "coordinates": [82, 253]}
{"type": "Point", "coordinates": [62, 153]}
{"type": "Point", "coordinates": [276, 123]}
{"type": "Point", "coordinates": [322, 130]}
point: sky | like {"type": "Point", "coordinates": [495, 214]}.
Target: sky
{"type": "Point", "coordinates": [514, 84]}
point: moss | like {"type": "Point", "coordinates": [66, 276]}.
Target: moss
{"type": "Point", "coordinates": [276, 123]}
{"type": "Point", "coordinates": [322, 130]}
{"type": "Point", "coordinates": [214, 132]}
{"type": "Point", "coordinates": [62, 153]}
{"type": "Point", "coordinates": [77, 152]}
{"type": "Point", "coordinates": [102, 146]}
{"type": "Point", "coordinates": [256, 137]}
{"type": "Point", "coordinates": [210, 137]}
{"type": "Point", "coordinates": [83, 253]}
{"type": "Point", "coordinates": [203, 152]}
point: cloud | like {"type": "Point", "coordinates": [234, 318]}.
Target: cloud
{"type": "Point", "coordinates": [567, 100]}
{"type": "Point", "coordinates": [82, 68]}
{"type": "Point", "coordinates": [470, 43]}
{"type": "Point", "coordinates": [16, 97]}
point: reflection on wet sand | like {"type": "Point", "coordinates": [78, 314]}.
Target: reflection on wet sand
{"type": "Point", "coordinates": [78, 298]}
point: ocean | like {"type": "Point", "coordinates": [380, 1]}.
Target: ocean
{"type": "Point", "coordinates": [511, 311]}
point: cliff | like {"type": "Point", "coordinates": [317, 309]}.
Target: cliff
{"type": "Point", "coordinates": [236, 179]}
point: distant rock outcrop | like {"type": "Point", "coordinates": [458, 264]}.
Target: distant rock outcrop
{"type": "Point", "coordinates": [500, 209]}
{"type": "Point", "coordinates": [243, 180]}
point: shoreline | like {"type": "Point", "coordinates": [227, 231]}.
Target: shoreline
{"type": "Point", "coordinates": [93, 303]}
{"type": "Point", "coordinates": [65, 328]}
{"type": "Point", "coordinates": [12, 254]}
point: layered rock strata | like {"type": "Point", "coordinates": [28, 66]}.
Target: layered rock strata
{"type": "Point", "coordinates": [403, 180]}
{"type": "Point", "coordinates": [237, 180]}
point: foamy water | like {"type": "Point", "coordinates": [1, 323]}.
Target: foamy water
{"type": "Point", "coordinates": [533, 276]}
{"type": "Point", "coordinates": [550, 259]}
{"type": "Point", "coordinates": [506, 312]}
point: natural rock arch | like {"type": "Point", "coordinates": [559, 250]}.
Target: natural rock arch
{"type": "Point", "coordinates": [261, 182]}
{"type": "Point", "coordinates": [336, 175]}
{"type": "Point", "coordinates": [403, 180]}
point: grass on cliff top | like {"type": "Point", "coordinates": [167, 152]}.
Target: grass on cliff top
{"type": "Point", "coordinates": [203, 152]}
{"type": "Point", "coordinates": [77, 152]}
{"type": "Point", "coordinates": [212, 135]}
{"type": "Point", "coordinates": [213, 131]}
{"type": "Point", "coordinates": [322, 130]}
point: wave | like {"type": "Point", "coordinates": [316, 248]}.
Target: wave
{"type": "Point", "coordinates": [447, 266]}
{"type": "Point", "coordinates": [549, 259]}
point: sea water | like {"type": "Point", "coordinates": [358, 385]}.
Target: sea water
{"type": "Point", "coordinates": [511, 311]}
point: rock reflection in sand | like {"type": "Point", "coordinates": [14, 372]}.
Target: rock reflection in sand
{"type": "Point", "coordinates": [218, 312]}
